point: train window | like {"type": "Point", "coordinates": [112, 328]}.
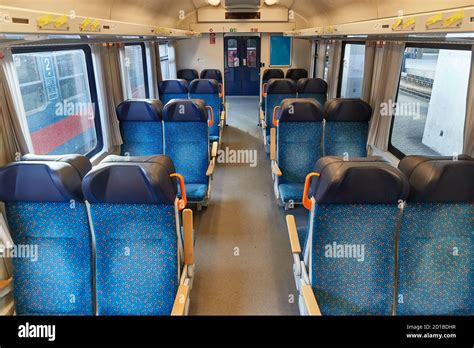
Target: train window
{"type": "Point", "coordinates": [430, 109]}
{"type": "Point", "coordinates": [59, 98]}
{"type": "Point", "coordinates": [232, 54]}
{"type": "Point", "coordinates": [326, 64]}
{"type": "Point", "coordinates": [352, 70]}
{"type": "Point", "coordinates": [135, 71]}
{"type": "Point", "coordinates": [164, 61]}
{"type": "Point", "coordinates": [251, 53]}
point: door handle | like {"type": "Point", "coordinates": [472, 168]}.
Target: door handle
{"type": "Point", "coordinates": [244, 62]}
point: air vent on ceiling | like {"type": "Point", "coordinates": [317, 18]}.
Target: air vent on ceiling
{"type": "Point", "coordinates": [242, 5]}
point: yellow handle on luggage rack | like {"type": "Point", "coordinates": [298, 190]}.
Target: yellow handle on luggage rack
{"type": "Point", "coordinates": [306, 200]}
{"type": "Point", "coordinates": [183, 201]}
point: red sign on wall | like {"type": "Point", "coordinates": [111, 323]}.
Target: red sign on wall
{"type": "Point", "coordinates": [212, 37]}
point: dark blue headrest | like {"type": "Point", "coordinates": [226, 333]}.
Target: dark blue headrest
{"type": "Point", "coordinates": [80, 162]}
{"type": "Point", "coordinates": [143, 110]}
{"type": "Point", "coordinates": [312, 86]}
{"type": "Point", "coordinates": [269, 74]}
{"type": "Point", "coordinates": [296, 74]}
{"type": "Point", "coordinates": [173, 87]}
{"type": "Point", "coordinates": [439, 179]}
{"type": "Point", "coordinates": [42, 181]}
{"type": "Point", "coordinates": [358, 181]}
{"type": "Point", "coordinates": [204, 86]}
{"type": "Point", "coordinates": [300, 110]}
{"type": "Point", "coordinates": [281, 86]}
{"type": "Point", "coordinates": [347, 110]}
{"type": "Point", "coordinates": [131, 180]}
{"type": "Point", "coordinates": [185, 110]}
{"type": "Point", "coordinates": [214, 74]}
{"type": "Point", "coordinates": [187, 74]}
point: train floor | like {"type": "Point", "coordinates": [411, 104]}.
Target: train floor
{"type": "Point", "coordinates": [243, 258]}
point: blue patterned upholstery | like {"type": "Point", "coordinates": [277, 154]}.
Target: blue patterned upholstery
{"type": "Point", "coordinates": [346, 137]}
{"type": "Point", "coordinates": [208, 91]}
{"type": "Point", "coordinates": [267, 75]}
{"type": "Point", "coordinates": [320, 98]}
{"type": "Point", "coordinates": [271, 101]}
{"type": "Point", "coordinates": [345, 286]}
{"type": "Point", "coordinates": [313, 88]}
{"type": "Point", "coordinates": [436, 254]}
{"type": "Point", "coordinates": [137, 260]}
{"type": "Point", "coordinates": [172, 89]}
{"type": "Point", "coordinates": [291, 192]}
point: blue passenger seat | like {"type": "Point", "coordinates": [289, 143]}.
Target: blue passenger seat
{"type": "Point", "coordinates": [208, 90]}
{"type": "Point", "coordinates": [134, 212]}
{"type": "Point", "coordinates": [347, 127]}
{"type": "Point", "coordinates": [186, 132]}
{"type": "Point", "coordinates": [436, 249]}
{"type": "Point", "coordinates": [141, 127]}
{"type": "Point", "coordinates": [47, 215]}
{"type": "Point", "coordinates": [173, 89]}
{"type": "Point", "coordinates": [187, 74]}
{"type": "Point", "coordinates": [313, 88]}
{"type": "Point", "coordinates": [267, 75]}
{"type": "Point", "coordinates": [296, 74]}
{"type": "Point", "coordinates": [299, 136]}
{"type": "Point", "coordinates": [215, 74]}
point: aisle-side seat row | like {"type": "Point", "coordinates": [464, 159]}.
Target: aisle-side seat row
{"type": "Point", "coordinates": [278, 90]}
{"type": "Point", "coordinates": [208, 90]}
{"type": "Point", "coordinates": [180, 130]}
{"type": "Point", "coordinates": [303, 132]}
{"type": "Point", "coordinates": [108, 240]}
{"type": "Point", "coordinates": [190, 75]}
{"type": "Point", "coordinates": [386, 241]}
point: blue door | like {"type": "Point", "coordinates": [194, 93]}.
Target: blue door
{"type": "Point", "coordinates": [242, 65]}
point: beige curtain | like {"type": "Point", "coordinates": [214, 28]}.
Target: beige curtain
{"type": "Point", "coordinates": [155, 68]}
{"type": "Point", "coordinates": [321, 52]}
{"type": "Point", "coordinates": [335, 51]}
{"type": "Point", "coordinates": [14, 143]}
{"type": "Point", "coordinates": [469, 126]}
{"type": "Point", "coordinates": [384, 90]}
{"type": "Point", "coordinates": [112, 83]}
{"type": "Point", "coordinates": [368, 70]}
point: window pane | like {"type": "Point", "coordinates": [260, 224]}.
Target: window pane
{"type": "Point", "coordinates": [163, 50]}
{"type": "Point", "coordinates": [252, 53]}
{"type": "Point", "coordinates": [135, 72]}
{"type": "Point", "coordinates": [59, 111]}
{"type": "Point", "coordinates": [165, 69]}
{"type": "Point", "coordinates": [352, 71]}
{"type": "Point", "coordinates": [431, 103]}
{"type": "Point", "coordinates": [232, 54]}
{"type": "Point", "coordinates": [326, 64]}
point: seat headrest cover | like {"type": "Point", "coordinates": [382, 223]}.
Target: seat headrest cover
{"type": "Point", "coordinates": [312, 86]}
{"type": "Point", "coordinates": [185, 110]}
{"type": "Point", "coordinates": [40, 181]}
{"type": "Point", "coordinates": [133, 180]}
{"type": "Point", "coordinates": [214, 74]}
{"type": "Point", "coordinates": [296, 74]}
{"type": "Point", "coordinates": [187, 74]}
{"type": "Point", "coordinates": [439, 179]}
{"type": "Point", "coordinates": [358, 181]}
{"type": "Point", "coordinates": [80, 162]}
{"type": "Point", "coordinates": [204, 86]}
{"type": "Point", "coordinates": [281, 86]}
{"type": "Point", "coordinates": [142, 110]}
{"type": "Point", "coordinates": [300, 110]}
{"type": "Point", "coordinates": [347, 110]}
{"type": "Point", "coordinates": [269, 74]}
{"type": "Point", "coordinates": [178, 86]}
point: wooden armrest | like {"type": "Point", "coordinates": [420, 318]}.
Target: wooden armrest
{"type": "Point", "coordinates": [222, 115]}
{"type": "Point", "coordinates": [292, 231]}
{"type": "Point", "coordinates": [180, 301]}
{"type": "Point", "coordinates": [276, 170]}
{"type": "Point", "coordinates": [215, 147]}
{"type": "Point", "coordinates": [310, 300]}
{"type": "Point", "coordinates": [212, 166]}
{"type": "Point", "coordinates": [262, 115]}
{"type": "Point", "coordinates": [273, 144]}
{"type": "Point", "coordinates": [188, 237]}
{"type": "Point", "coordinates": [5, 286]}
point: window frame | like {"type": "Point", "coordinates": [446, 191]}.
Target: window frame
{"type": "Point", "coordinates": [460, 47]}
{"type": "Point", "coordinates": [92, 84]}
{"type": "Point", "coordinates": [145, 65]}
{"type": "Point", "coordinates": [165, 58]}
{"type": "Point", "coordinates": [341, 63]}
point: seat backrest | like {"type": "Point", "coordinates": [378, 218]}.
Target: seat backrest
{"type": "Point", "coordinates": [133, 212]}
{"type": "Point", "coordinates": [296, 74]}
{"type": "Point", "coordinates": [352, 229]}
{"type": "Point", "coordinates": [47, 218]}
{"type": "Point", "coordinates": [269, 74]}
{"type": "Point", "coordinates": [436, 251]}
{"type": "Point", "coordinates": [141, 127]}
{"type": "Point", "coordinates": [313, 88]}
{"type": "Point", "coordinates": [214, 74]}
{"type": "Point", "coordinates": [208, 90]}
{"type": "Point", "coordinates": [347, 127]}
{"type": "Point", "coordinates": [79, 162]}
{"type": "Point", "coordinates": [299, 138]}
{"type": "Point", "coordinates": [277, 90]}
{"type": "Point", "coordinates": [173, 89]}
{"type": "Point", "coordinates": [187, 74]}
{"type": "Point", "coordinates": [187, 138]}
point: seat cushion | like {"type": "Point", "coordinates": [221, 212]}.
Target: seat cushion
{"type": "Point", "coordinates": [213, 138]}
{"type": "Point", "coordinates": [195, 192]}
{"type": "Point", "coordinates": [291, 192]}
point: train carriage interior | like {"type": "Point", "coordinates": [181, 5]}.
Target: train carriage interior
{"type": "Point", "coordinates": [237, 158]}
